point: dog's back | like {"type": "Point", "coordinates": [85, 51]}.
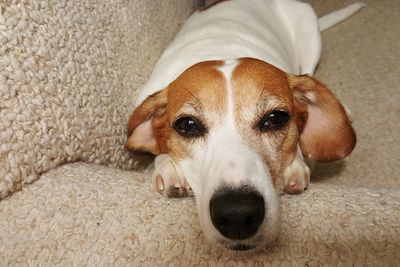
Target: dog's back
{"type": "Point", "coordinates": [263, 29]}
{"type": "Point", "coordinates": [284, 33]}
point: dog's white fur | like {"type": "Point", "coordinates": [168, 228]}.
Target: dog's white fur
{"type": "Point", "coordinates": [284, 33]}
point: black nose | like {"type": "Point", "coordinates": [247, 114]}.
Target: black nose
{"type": "Point", "coordinates": [237, 214]}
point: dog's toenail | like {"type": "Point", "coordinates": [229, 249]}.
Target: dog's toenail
{"type": "Point", "coordinates": [160, 183]}
{"type": "Point", "coordinates": [187, 186]}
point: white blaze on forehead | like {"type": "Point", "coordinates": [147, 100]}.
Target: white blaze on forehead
{"type": "Point", "coordinates": [227, 137]}
{"type": "Point", "coordinates": [227, 69]}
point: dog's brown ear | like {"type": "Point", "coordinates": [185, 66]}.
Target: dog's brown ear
{"type": "Point", "coordinates": [325, 129]}
{"type": "Point", "coordinates": [147, 127]}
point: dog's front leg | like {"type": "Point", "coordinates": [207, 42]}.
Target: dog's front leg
{"type": "Point", "coordinates": [168, 178]}
{"type": "Point", "coordinates": [296, 175]}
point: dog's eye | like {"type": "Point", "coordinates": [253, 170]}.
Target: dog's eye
{"type": "Point", "coordinates": [189, 127]}
{"type": "Point", "coordinates": [274, 120]}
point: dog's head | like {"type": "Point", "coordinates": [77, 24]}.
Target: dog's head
{"type": "Point", "coordinates": [233, 127]}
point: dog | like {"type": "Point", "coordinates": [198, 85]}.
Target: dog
{"type": "Point", "coordinates": [231, 114]}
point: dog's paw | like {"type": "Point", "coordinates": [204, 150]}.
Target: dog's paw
{"type": "Point", "coordinates": [296, 176]}
{"type": "Point", "coordinates": [168, 178]}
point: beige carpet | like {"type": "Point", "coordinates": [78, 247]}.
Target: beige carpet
{"type": "Point", "coordinates": [68, 74]}
{"type": "Point", "coordinates": [86, 214]}
{"type": "Point", "coordinates": [361, 64]}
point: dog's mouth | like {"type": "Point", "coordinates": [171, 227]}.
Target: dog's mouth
{"type": "Point", "coordinates": [247, 245]}
{"type": "Point", "coordinates": [241, 247]}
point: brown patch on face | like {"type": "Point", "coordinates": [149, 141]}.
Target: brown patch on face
{"type": "Point", "coordinates": [199, 92]}
{"type": "Point", "coordinates": [258, 89]}
{"type": "Point", "coordinates": [211, 5]}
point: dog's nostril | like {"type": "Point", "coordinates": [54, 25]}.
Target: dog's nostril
{"type": "Point", "coordinates": [237, 214]}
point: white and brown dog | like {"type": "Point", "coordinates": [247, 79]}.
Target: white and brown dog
{"type": "Point", "coordinates": [230, 114]}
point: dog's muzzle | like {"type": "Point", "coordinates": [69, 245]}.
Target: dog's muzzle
{"type": "Point", "coordinates": [237, 214]}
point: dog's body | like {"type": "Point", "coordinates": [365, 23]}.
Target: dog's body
{"type": "Point", "coordinates": [266, 30]}
{"type": "Point", "coordinates": [234, 128]}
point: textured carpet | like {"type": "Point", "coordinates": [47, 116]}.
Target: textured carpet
{"type": "Point", "coordinates": [85, 214]}
{"type": "Point", "coordinates": [361, 64]}
{"type": "Point", "coordinates": [68, 74]}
